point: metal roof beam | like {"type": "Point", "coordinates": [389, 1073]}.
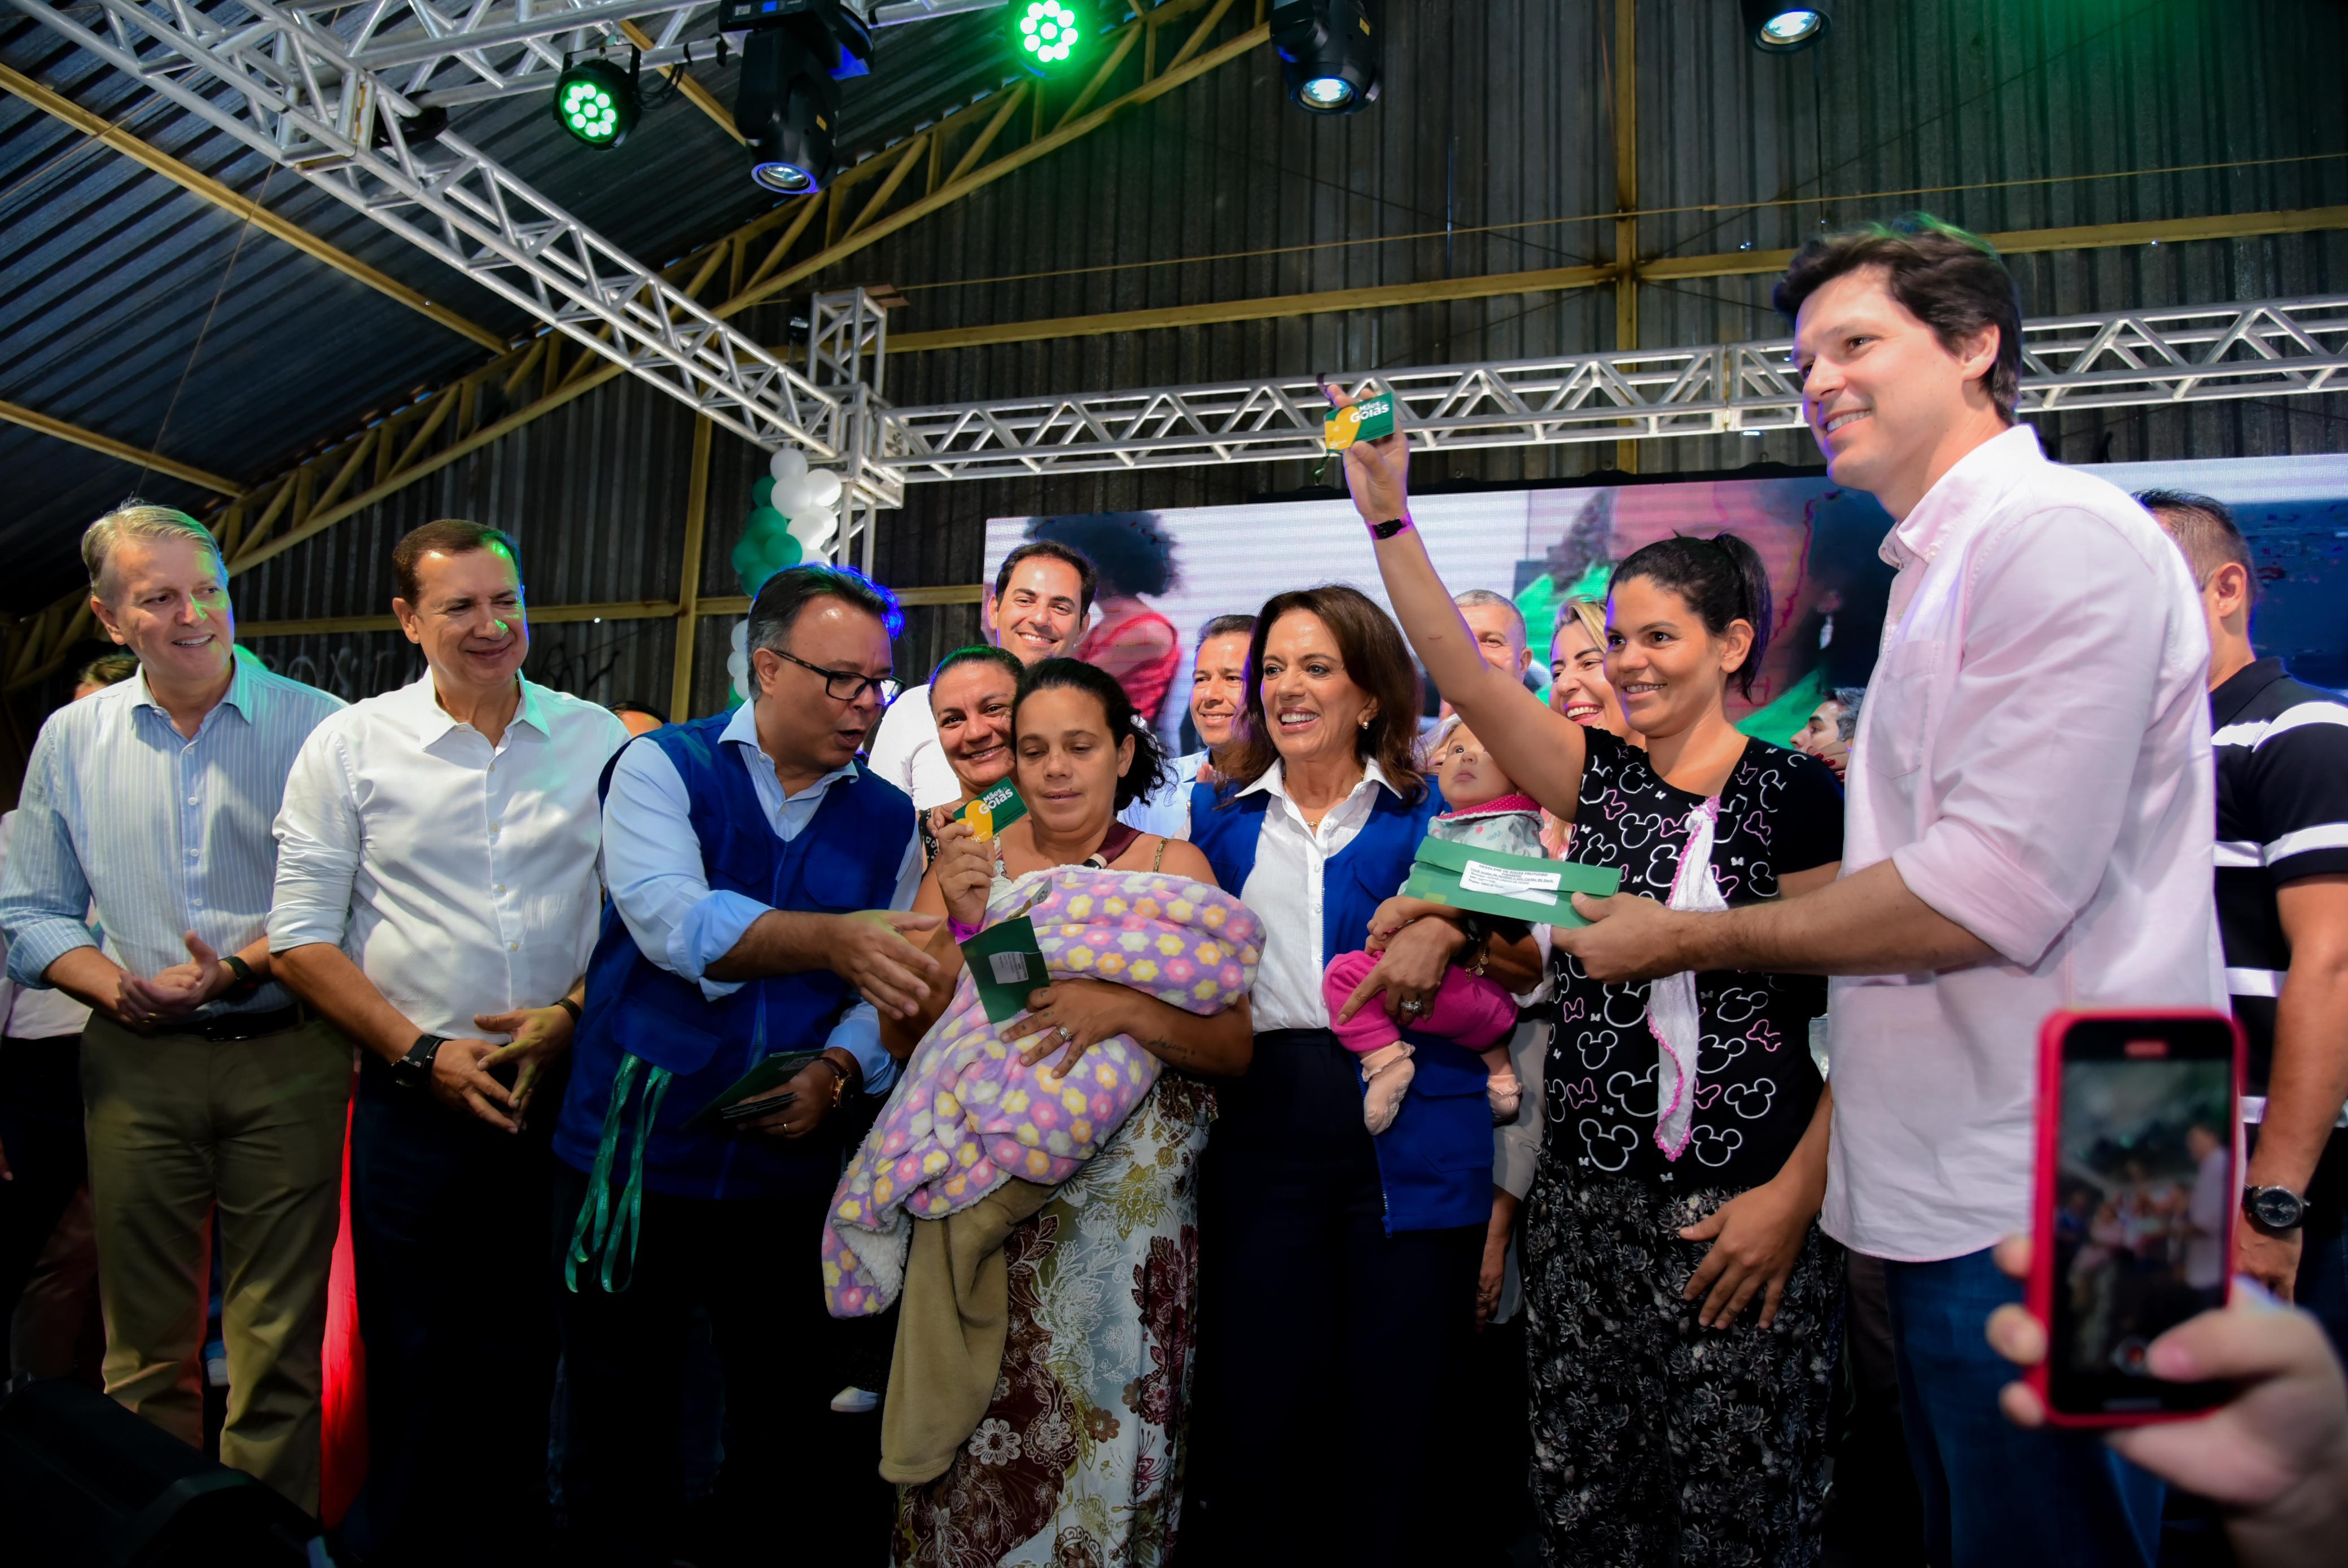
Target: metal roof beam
{"type": "Point", "coordinates": [287, 88]}
{"type": "Point", "coordinates": [17, 414]}
{"type": "Point", "coordinates": [1549, 280]}
{"type": "Point", "coordinates": [2117, 360]}
{"type": "Point", "coordinates": [260, 217]}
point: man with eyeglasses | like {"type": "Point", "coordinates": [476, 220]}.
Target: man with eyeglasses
{"type": "Point", "coordinates": [759, 880]}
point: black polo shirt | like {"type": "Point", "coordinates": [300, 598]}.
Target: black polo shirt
{"type": "Point", "coordinates": [2282, 814]}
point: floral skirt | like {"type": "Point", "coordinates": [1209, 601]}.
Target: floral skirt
{"type": "Point", "coordinates": [1656, 1442]}
{"type": "Point", "coordinates": [1079, 1461]}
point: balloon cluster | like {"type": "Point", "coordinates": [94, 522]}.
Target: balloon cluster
{"type": "Point", "coordinates": [794, 517]}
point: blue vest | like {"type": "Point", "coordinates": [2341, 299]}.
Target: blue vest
{"type": "Point", "coordinates": [1436, 1161]}
{"type": "Point", "coordinates": [845, 859]}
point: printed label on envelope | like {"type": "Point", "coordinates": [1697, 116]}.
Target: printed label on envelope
{"type": "Point", "coordinates": [1010, 968]}
{"type": "Point", "coordinates": [1533, 887]}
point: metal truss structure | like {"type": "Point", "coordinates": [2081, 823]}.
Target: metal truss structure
{"type": "Point", "coordinates": [469, 51]}
{"type": "Point", "coordinates": [2203, 354]}
{"type": "Point", "coordinates": [292, 90]}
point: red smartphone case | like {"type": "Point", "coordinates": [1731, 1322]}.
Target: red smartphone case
{"type": "Point", "coordinates": [2038, 1291]}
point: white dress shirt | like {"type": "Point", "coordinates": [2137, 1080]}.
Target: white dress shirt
{"type": "Point", "coordinates": [652, 864]}
{"type": "Point", "coordinates": [2034, 756]}
{"type": "Point", "coordinates": [1166, 810]}
{"type": "Point", "coordinates": [905, 750]}
{"type": "Point", "coordinates": [459, 876]}
{"type": "Point", "coordinates": [1284, 891]}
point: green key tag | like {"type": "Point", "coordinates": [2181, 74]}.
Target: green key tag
{"type": "Point", "coordinates": [996, 810]}
{"type": "Point", "coordinates": [1367, 420]}
{"type": "Point", "coordinates": [1005, 965]}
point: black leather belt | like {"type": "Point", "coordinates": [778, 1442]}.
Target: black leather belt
{"type": "Point", "coordinates": [245, 1026]}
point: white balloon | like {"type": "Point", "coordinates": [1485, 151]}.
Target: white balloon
{"type": "Point", "coordinates": [814, 527]}
{"type": "Point", "coordinates": [823, 487]}
{"type": "Point", "coordinates": [792, 498]}
{"type": "Point", "coordinates": [737, 662]}
{"type": "Point", "coordinates": [789, 466]}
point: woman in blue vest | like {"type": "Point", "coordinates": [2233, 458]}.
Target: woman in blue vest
{"type": "Point", "coordinates": [1341, 1269]}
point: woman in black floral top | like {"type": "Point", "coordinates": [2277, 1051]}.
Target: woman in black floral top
{"type": "Point", "coordinates": [1683, 1305]}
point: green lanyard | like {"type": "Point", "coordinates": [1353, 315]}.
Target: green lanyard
{"type": "Point", "coordinates": [601, 1227]}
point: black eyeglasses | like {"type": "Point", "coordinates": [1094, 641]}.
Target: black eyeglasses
{"type": "Point", "coordinates": [855, 684]}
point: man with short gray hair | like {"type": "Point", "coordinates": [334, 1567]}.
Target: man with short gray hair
{"type": "Point", "coordinates": [209, 1091]}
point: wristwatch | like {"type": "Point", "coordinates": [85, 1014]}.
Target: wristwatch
{"type": "Point", "coordinates": [2274, 1208]}
{"type": "Point", "coordinates": [414, 1071]}
{"type": "Point", "coordinates": [246, 982]}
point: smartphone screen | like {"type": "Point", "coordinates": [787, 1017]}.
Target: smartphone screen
{"type": "Point", "coordinates": [2143, 1193]}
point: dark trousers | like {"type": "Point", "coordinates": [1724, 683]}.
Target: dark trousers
{"type": "Point", "coordinates": [41, 1132]}
{"type": "Point", "coordinates": [1996, 1496]}
{"type": "Point", "coordinates": [1335, 1355]}
{"type": "Point", "coordinates": [797, 1479]}
{"type": "Point", "coordinates": [448, 1234]}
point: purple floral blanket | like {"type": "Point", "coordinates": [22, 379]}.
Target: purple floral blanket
{"type": "Point", "coordinates": [967, 1114]}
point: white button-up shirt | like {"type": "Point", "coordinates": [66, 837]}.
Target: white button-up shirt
{"type": "Point", "coordinates": [459, 877]}
{"type": "Point", "coordinates": [2034, 756]}
{"type": "Point", "coordinates": [1284, 891]}
{"type": "Point", "coordinates": [652, 865]}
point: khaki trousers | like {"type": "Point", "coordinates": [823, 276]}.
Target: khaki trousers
{"type": "Point", "coordinates": [183, 1127]}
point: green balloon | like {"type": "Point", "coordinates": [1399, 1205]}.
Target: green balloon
{"type": "Point", "coordinates": [764, 522]}
{"type": "Point", "coordinates": [763, 492]}
{"type": "Point", "coordinates": [787, 551]}
{"type": "Point", "coordinates": [749, 562]}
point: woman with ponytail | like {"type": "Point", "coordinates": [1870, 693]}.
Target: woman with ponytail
{"type": "Point", "coordinates": [1683, 1305]}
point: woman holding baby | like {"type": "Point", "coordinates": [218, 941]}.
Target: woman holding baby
{"type": "Point", "coordinates": [1080, 1455]}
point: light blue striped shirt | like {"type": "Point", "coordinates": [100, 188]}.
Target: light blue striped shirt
{"type": "Point", "coordinates": [162, 835]}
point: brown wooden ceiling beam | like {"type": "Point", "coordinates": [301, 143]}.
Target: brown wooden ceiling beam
{"type": "Point", "coordinates": [15, 414]}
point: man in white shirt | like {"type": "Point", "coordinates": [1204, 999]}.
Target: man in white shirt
{"type": "Point", "coordinates": [1218, 697]}
{"type": "Point", "coordinates": [2029, 828]}
{"type": "Point", "coordinates": [1043, 592]}
{"type": "Point", "coordinates": [436, 898]}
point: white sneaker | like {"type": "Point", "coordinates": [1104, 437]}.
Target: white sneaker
{"type": "Point", "coordinates": [852, 1401]}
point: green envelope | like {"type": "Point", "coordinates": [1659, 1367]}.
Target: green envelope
{"type": "Point", "coordinates": [1520, 887]}
{"type": "Point", "coordinates": [1005, 965]}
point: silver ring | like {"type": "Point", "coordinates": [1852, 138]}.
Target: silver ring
{"type": "Point", "coordinates": [1414, 1006]}
{"type": "Point", "coordinates": [1066, 1033]}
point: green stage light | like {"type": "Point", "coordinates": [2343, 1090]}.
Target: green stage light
{"type": "Point", "coordinates": [1048, 34]}
{"type": "Point", "coordinates": [596, 102]}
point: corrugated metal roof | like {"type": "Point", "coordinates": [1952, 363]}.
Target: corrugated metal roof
{"type": "Point", "coordinates": [137, 310]}
{"type": "Point", "coordinates": [1494, 120]}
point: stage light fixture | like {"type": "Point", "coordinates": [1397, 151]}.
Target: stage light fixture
{"type": "Point", "coordinates": [1782, 26]}
{"type": "Point", "coordinates": [788, 105]}
{"type": "Point", "coordinates": [1047, 35]}
{"type": "Point", "coordinates": [1328, 54]}
{"type": "Point", "coordinates": [596, 102]}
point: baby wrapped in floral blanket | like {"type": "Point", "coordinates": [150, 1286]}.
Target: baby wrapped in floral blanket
{"type": "Point", "coordinates": [968, 1116]}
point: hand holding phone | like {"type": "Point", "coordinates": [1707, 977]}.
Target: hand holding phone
{"type": "Point", "coordinates": [2138, 1189]}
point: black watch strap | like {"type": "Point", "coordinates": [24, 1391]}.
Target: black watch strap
{"type": "Point", "coordinates": [572, 1008]}
{"type": "Point", "coordinates": [1389, 528]}
{"type": "Point", "coordinates": [415, 1070]}
{"type": "Point", "coordinates": [247, 982]}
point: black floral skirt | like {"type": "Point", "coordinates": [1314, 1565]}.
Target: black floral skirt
{"type": "Point", "coordinates": [1655, 1441]}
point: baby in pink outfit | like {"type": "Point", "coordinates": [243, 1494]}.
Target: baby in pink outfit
{"type": "Point", "coordinates": [1479, 1014]}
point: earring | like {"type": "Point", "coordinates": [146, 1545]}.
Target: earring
{"type": "Point", "coordinates": [1366, 721]}
{"type": "Point", "coordinates": [1826, 630]}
